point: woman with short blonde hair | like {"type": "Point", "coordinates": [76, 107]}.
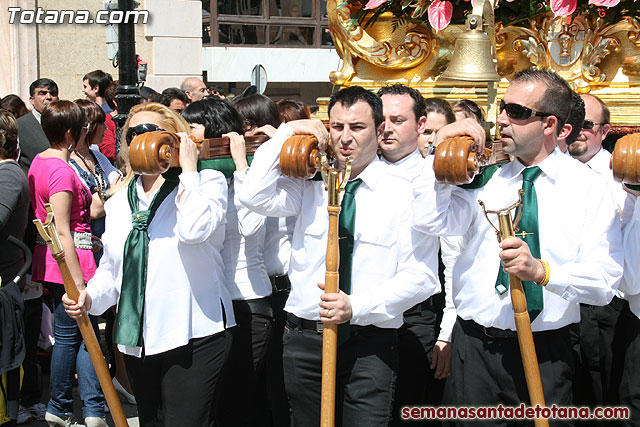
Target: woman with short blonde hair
{"type": "Point", "coordinates": [163, 268]}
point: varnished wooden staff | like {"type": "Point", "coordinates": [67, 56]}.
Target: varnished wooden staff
{"type": "Point", "coordinates": [336, 181]}
{"type": "Point", "coordinates": [521, 315]}
{"type": "Point", "coordinates": [50, 235]}
{"type": "Point", "coordinates": [456, 161]}
{"type": "Point", "coordinates": [300, 157]}
{"type": "Point", "coordinates": [625, 160]}
{"type": "Point", "coordinates": [153, 153]}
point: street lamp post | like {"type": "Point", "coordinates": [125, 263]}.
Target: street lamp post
{"type": "Point", "coordinates": [128, 94]}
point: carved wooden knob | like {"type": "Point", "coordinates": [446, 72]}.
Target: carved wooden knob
{"type": "Point", "coordinates": [300, 157]}
{"type": "Point", "coordinates": [455, 161]}
{"type": "Point", "coordinates": [152, 153]}
{"type": "Point", "coordinates": [625, 160]}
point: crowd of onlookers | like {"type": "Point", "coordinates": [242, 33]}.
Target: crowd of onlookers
{"type": "Point", "coordinates": [64, 154]}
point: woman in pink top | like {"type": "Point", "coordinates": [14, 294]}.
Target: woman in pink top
{"type": "Point", "coordinates": [53, 180]}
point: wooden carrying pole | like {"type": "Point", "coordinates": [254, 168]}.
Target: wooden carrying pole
{"type": "Point", "coordinates": [50, 235]}
{"type": "Point", "coordinates": [330, 331]}
{"type": "Point", "coordinates": [523, 327]}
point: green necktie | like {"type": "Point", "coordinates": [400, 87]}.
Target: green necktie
{"type": "Point", "coordinates": [346, 226]}
{"type": "Point", "coordinates": [134, 267]}
{"type": "Point", "coordinates": [529, 224]}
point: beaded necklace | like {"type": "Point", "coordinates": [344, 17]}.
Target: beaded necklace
{"type": "Point", "coordinates": [98, 175]}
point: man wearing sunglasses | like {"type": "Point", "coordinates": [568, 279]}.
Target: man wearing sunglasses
{"type": "Point", "coordinates": [561, 263]}
{"type": "Point", "coordinates": [596, 378]}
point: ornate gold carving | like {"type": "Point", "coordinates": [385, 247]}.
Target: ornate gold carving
{"type": "Point", "coordinates": [354, 42]}
{"type": "Point", "coordinates": [573, 48]}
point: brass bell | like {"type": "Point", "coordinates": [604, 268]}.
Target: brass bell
{"type": "Point", "coordinates": [472, 58]}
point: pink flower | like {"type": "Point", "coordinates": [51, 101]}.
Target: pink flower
{"type": "Point", "coordinates": [440, 14]}
{"type": "Point", "coordinates": [372, 4]}
{"type": "Point", "coordinates": [562, 7]}
{"type": "Point", "coordinates": [607, 3]}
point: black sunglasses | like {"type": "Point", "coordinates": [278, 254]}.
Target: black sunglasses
{"type": "Point", "coordinates": [590, 124]}
{"type": "Point", "coordinates": [139, 130]}
{"type": "Point", "coordinates": [520, 112]}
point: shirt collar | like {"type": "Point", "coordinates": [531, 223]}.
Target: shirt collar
{"type": "Point", "coordinates": [600, 162]}
{"type": "Point", "coordinates": [37, 115]}
{"type": "Point", "coordinates": [409, 158]}
{"type": "Point", "coordinates": [549, 166]}
{"type": "Point", "coordinates": [372, 173]}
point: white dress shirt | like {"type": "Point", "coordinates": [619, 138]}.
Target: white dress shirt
{"type": "Point", "coordinates": [244, 270]}
{"type": "Point", "coordinates": [450, 249]}
{"type": "Point", "coordinates": [277, 245]}
{"type": "Point", "coordinates": [185, 292]}
{"type": "Point", "coordinates": [601, 164]}
{"type": "Point", "coordinates": [579, 238]}
{"type": "Point", "coordinates": [630, 283]}
{"type": "Point", "coordinates": [387, 277]}
{"type": "Point", "coordinates": [411, 167]}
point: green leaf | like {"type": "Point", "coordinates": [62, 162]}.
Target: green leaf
{"type": "Point", "coordinates": [406, 4]}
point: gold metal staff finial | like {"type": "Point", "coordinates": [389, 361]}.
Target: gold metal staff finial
{"type": "Point", "coordinates": [48, 231]}
{"type": "Point", "coordinates": [502, 213]}
{"type": "Point", "coordinates": [335, 179]}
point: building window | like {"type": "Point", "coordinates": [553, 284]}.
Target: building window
{"type": "Point", "coordinates": [270, 23]}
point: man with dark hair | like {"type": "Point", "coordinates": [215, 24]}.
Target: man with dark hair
{"type": "Point", "coordinates": [175, 99]}
{"type": "Point", "coordinates": [379, 249]}
{"type": "Point", "coordinates": [404, 122]}
{"type": "Point", "coordinates": [32, 138]}
{"type": "Point", "coordinates": [575, 120]}
{"type": "Point", "coordinates": [560, 263]}
{"type": "Point", "coordinates": [94, 86]}
{"type": "Point", "coordinates": [32, 141]}
{"type": "Point", "coordinates": [439, 114]}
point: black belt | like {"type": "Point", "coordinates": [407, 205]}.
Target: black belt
{"type": "Point", "coordinates": [254, 306]}
{"type": "Point", "coordinates": [280, 283]}
{"type": "Point", "coordinates": [616, 303]}
{"type": "Point", "coordinates": [473, 328]}
{"type": "Point", "coordinates": [424, 305]}
{"type": "Point", "coordinates": [317, 326]}
{"type": "Point", "coordinates": [296, 322]}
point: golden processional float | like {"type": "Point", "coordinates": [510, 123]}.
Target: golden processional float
{"type": "Point", "coordinates": [596, 48]}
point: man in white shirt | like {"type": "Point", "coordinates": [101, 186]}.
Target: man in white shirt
{"type": "Point", "coordinates": [388, 274]}
{"type": "Point", "coordinates": [579, 260]}
{"type": "Point", "coordinates": [404, 122]}
{"type": "Point", "coordinates": [596, 381]}
{"type": "Point", "coordinates": [629, 389]}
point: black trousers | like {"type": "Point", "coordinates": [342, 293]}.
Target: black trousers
{"type": "Point", "coordinates": [488, 371]}
{"type": "Point", "coordinates": [630, 384]}
{"type": "Point", "coordinates": [276, 395]}
{"type": "Point", "coordinates": [597, 376]}
{"type": "Point", "coordinates": [177, 387]}
{"type": "Point", "coordinates": [366, 372]}
{"type": "Point", "coordinates": [241, 403]}
{"type": "Point", "coordinates": [416, 384]}
{"type": "Point", "coordinates": [31, 391]}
